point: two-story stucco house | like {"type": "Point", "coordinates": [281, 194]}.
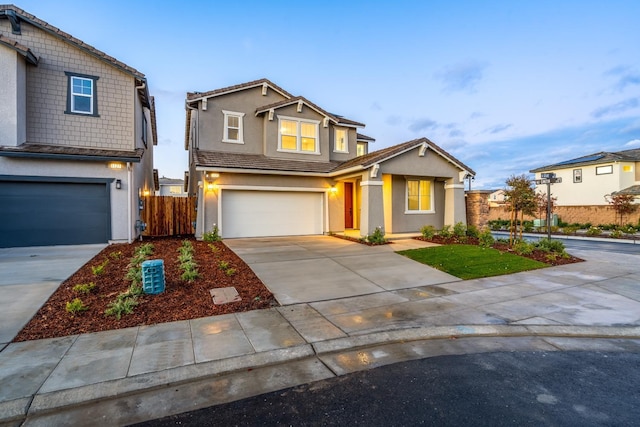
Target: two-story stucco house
{"type": "Point", "coordinates": [77, 129]}
{"type": "Point", "coordinates": [588, 179]}
{"type": "Point", "coordinates": [266, 163]}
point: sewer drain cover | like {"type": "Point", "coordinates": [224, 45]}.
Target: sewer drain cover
{"type": "Point", "coordinates": [224, 295]}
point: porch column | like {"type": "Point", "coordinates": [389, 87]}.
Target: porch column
{"type": "Point", "coordinates": [372, 213]}
{"type": "Point", "coordinates": [454, 204]}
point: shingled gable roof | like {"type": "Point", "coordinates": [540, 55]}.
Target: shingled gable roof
{"type": "Point", "coordinates": [256, 162]}
{"type": "Point", "coordinates": [194, 96]}
{"type": "Point", "coordinates": [37, 22]}
{"type": "Point", "coordinates": [21, 15]}
{"type": "Point", "coordinates": [390, 152]}
{"type": "Point", "coordinates": [335, 118]}
{"type": "Point", "coordinates": [632, 155]}
{"type": "Point", "coordinates": [363, 137]}
{"type": "Point", "coordinates": [20, 48]}
{"type": "Point", "coordinates": [76, 153]}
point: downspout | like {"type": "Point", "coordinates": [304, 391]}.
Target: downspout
{"type": "Point", "coordinates": [129, 203]}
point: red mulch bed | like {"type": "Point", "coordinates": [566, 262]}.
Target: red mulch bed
{"type": "Point", "coordinates": [537, 255]}
{"type": "Point", "coordinates": [180, 301]}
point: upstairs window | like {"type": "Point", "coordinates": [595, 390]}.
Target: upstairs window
{"type": "Point", "coordinates": [300, 136]}
{"type": "Point", "coordinates": [233, 131]}
{"type": "Point", "coordinates": [419, 197]}
{"type": "Point", "coordinates": [81, 94]}
{"type": "Point", "coordinates": [361, 149]}
{"type": "Point", "coordinates": [341, 143]}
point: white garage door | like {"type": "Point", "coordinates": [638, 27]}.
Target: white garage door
{"type": "Point", "coordinates": [271, 213]}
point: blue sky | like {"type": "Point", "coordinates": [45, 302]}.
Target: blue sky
{"type": "Point", "coordinates": [505, 86]}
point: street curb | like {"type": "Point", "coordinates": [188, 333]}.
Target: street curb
{"type": "Point", "coordinates": [16, 411]}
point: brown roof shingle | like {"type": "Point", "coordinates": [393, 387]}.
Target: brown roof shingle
{"type": "Point", "coordinates": [20, 48]}
{"type": "Point", "coordinates": [33, 20]}
{"type": "Point", "coordinates": [255, 83]}
{"type": "Point", "coordinates": [219, 159]}
{"type": "Point", "coordinates": [41, 150]}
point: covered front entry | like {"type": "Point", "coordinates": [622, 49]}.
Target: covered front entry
{"type": "Point", "coordinates": [34, 213]}
{"type": "Point", "coordinates": [252, 213]}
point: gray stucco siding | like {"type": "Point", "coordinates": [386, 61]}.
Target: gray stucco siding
{"type": "Point", "coordinates": [403, 222]}
{"type": "Point", "coordinates": [211, 121]}
{"type": "Point", "coordinates": [431, 165]}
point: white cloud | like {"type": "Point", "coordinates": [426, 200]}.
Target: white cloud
{"type": "Point", "coordinates": [633, 143]}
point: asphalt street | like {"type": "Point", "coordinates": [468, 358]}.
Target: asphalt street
{"type": "Point", "coordinates": [490, 389]}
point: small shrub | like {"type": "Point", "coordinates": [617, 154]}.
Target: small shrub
{"type": "Point", "coordinates": [569, 230]}
{"type": "Point", "coordinates": [428, 231]}
{"type": "Point", "coordinates": [116, 255]}
{"type": "Point", "coordinates": [121, 306]}
{"type": "Point", "coordinates": [230, 272]}
{"type": "Point", "coordinates": [223, 265]}
{"type": "Point", "coordinates": [146, 249]}
{"type": "Point", "coordinates": [97, 270]}
{"type": "Point", "coordinates": [550, 245]}
{"type": "Point", "coordinates": [551, 256]}
{"type": "Point", "coordinates": [445, 231]}
{"type": "Point", "coordinates": [75, 306]}
{"type": "Point", "coordinates": [594, 231]}
{"type": "Point", "coordinates": [190, 275]}
{"type": "Point", "coordinates": [486, 238]}
{"type": "Point", "coordinates": [213, 235]}
{"type": "Point", "coordinates": [214, 248]}
{"type": "Point", "coordinates": [377, 237]}
{"type": "Point", "coordinates": [84, 288]}
{"type": "Point", "coordinates": [472, 231]}
{"type": "Point", "coordinates": [523, 248]}
{"type": "Point", "coordinates": [528, 226]}
{"type": "Point", "coordinates": [616, 234]}
{"type": "Point", "coordinates": [629, 229]}
{"type": "Point", "coordinates": [459, 230]}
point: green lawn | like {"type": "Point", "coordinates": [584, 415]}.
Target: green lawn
{"type": "Point", "coordinates": [470, 261]}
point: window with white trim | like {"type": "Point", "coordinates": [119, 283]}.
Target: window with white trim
{"type": "Point", "coordinates": [340, 143]}
{"type": "Point", "coordinates": [299, 136]}
{"type": "Point", "coordinates": [233, 131]}
{"type": "Point", "coordinates": [81, 94]}
{"type": "Point", "coordinates": [419, 196]}
{"type": "Point", "coordinates": [361, 148]}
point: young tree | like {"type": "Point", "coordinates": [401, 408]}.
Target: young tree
{"type": "Point", "coordinates": [521, 198]}
{"type": "Point", "coordinates": [622, 204]}
{"type": "Point", "coordinates": [541, 204]}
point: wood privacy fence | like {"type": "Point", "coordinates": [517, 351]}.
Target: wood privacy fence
{"type": "Point", "coordinates": [168, 216]}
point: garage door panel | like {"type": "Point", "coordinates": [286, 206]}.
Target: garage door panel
{"type": "Point", "coordinates": [271, 213]}
{"type": "Point", "coordinates": [53, 213]}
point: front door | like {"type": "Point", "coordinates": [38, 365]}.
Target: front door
{"type": "Point", "coordinates": [348, 205]}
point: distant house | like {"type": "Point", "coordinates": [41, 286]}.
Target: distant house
{"type": "Point", "coordinates": [587, 179]}
{"type": "Point", "coordinates": [77, 130]}
{"type": "Point", "coordinates": [497, 198]}
{"type": "Point", "coordinates": [264, 162]}
{"type": "Point", "coordinates": [171, 187]}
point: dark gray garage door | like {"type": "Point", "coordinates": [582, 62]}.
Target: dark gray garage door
{"type": "Point", "coordinates": [53, 213]}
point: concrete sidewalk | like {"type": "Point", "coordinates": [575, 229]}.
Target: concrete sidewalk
{"type": "Point", "coordinates": [136, 374]}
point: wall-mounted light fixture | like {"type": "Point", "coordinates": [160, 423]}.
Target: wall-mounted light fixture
{"type": "Point", "coordinates": [115, 165]}
{"type": "Point", "coordinates": [211, 186]}
{"type": "Point", "coordinates": [333, 189]}
{"type": "Point", "coordinates": [118, 184]}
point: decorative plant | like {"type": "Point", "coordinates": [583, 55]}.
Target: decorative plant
{"type": "Point", "coordinates": [486, 238]}
{"type": "Point", "coordinates": [213, 235]}
{"type": "Point", "coordinates": [75, 306]}
{"type": "Point", "coordinates": [97, 270]}
{"type": "Point", "coordinates": [428, 231]}
{"type": "Point", "coordinates": [230, 271]}
{"type": "Point", "coordinates": [187, 263]}
{"type": "Point", "coordinates": [84, 288]}
{"type": "Point", "coordinates": [445, 231]}
{"type": "Point", "coordinates": [377, 237]}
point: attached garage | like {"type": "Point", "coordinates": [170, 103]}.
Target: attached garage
{"type": "Point", "coordinates": [36, 213]}
{"type": "Point", "coordinates": [247, 213]}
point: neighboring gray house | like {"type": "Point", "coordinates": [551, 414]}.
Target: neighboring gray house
{"type": "Point", "coordinates": [266, 163]}
{"type": "Point", "coordinates": [171, 187]}
{"type": "Point", "coordinates": [77, 130]}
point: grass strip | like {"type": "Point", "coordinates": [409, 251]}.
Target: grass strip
{"type": "Point", "coordinates": [472, 262]}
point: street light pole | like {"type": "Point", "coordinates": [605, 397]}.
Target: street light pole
{"type": "Point", "coordinates": [548, 178]}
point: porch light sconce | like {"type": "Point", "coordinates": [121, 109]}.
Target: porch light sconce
{"type": "Point", "coordinates": [211, 186]}
{"type": "Point", "coordinates": [145, 193]}
{"type": "Point", "coordinates": [333, 189]}
{"type": "Point", "coordinates": [118, 184]}
{"type": "Point", "coordinates": [115, 165]}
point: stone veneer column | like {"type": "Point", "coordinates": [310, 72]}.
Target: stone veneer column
{"type": "Point", "coordinates": [477, 207]}
{"type": "Point", "coordinates": [372, 214]}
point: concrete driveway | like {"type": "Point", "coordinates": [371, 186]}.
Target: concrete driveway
{"type": "Point", "coordinates": [28, 277]}
{"type": "Point", "coordinates": [317, 268]}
